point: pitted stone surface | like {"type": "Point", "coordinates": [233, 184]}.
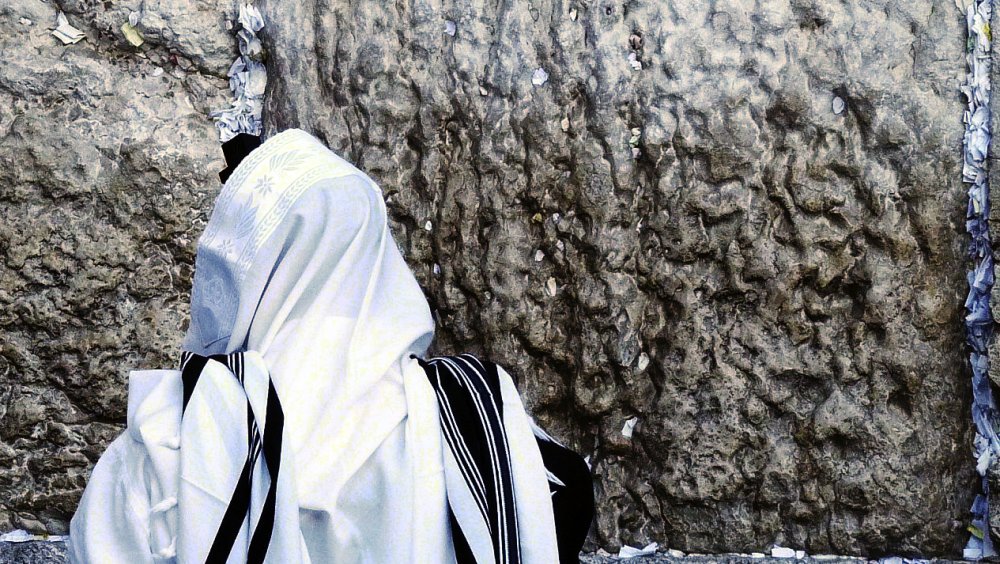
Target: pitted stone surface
{"type": "Point", "coordinates": [106, 180]}
{"type": "Point", "coordinates": [34, 552]}
{"type": "Point", "coordinates": [771, 288]}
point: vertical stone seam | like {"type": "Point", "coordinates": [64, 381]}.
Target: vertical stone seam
{"type": "Point", "coordinates": [979, 317]}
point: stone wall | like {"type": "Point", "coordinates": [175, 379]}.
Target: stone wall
{"type": "Point", "coordinates": [106, 181]}
{"type": "Point", "coordinates": [771, 288]}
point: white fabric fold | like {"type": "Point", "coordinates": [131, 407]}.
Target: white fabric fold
{"type": "Point", "coordinates": [297, 264]}
{"type": "Point", "coordinates": [214, 450]}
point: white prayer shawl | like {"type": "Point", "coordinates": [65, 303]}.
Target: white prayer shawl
{"type": "Point", "coordinates": [297, 267]}
{"type": "Point", "coordinates": [233, 416]}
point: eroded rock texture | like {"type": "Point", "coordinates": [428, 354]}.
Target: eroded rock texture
{"type": "Point", "coordinates": [106, 179]}
{"type": "Point", "coordinates": [774, 290]}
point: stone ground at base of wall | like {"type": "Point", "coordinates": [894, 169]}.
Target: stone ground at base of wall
{"type": "Point", "coordinates": [35, 552]}
{"type": "Point", "coordinates": [664, 557]}
{"type": "Point", "coordinates": [40, 552]}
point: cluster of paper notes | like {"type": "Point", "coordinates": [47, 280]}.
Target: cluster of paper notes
{"type": "Point", "coordinates": [247, 80]}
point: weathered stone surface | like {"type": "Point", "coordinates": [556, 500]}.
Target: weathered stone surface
{"type": "Point", "coordinates": [772, 289]}
{"type": "Point", "coordinates": [106, 179]}
{"type": "Point", "coordinates": [32, 552]}
{"type": "Point", "coordinates": [793, 276]}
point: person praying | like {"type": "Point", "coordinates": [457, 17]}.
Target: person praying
{"type": "Point", "coordinates": [304, 422]}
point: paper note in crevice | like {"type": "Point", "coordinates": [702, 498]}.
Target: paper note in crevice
{"type": "Point", "coordinates": [65, 32]}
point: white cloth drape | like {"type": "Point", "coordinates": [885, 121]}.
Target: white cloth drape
{"type": "Point", "coordinates": [231, 430]}
{"type": "Point", "coordinates": [297, 264]}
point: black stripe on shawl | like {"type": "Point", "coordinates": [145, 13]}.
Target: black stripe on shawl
{"type": "Point", "coordinates": [239, 505]}
{"type": "Point", "coordinates": [463, 552]}
{"type": "Point", "coordinates": [466, 438]}
{"type": "Point", "coordinates": [490, 413]}
{"type": "Point", "coordinates": [470, 400]}
{"type": "Point", "coordinates": [190, 372]}
{"type": "Point", "coordinates": [272, 457]}
{"type": "Point", "coordinates": [232, 521]}
{"type": "Point", "coordinates": [486, 381]}
{"type": "Point", "coordinates": [451, 428]}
